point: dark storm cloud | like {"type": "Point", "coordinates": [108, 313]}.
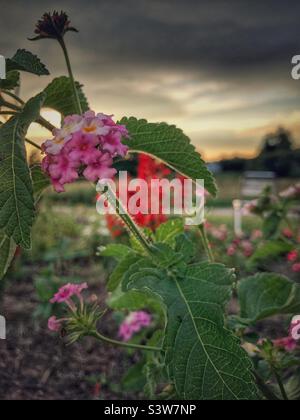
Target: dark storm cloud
{"type": "Point", "coordinates": [216, 67]}
{"type": "Point", "coordinates": [220, 36]}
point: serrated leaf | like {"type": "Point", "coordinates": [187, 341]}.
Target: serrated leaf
{"type": "Point", "coordinates": [167, 232]}
{"type": "Point", "coordinates": [117, 251]}
{"type": "Point", "coordinates": [7, 252]}
{"type": "Point", "coordinates": [11, 82]}
{"type": "Point", "coordinates": [169, 144]}
{"type": "Point", "coordinates": [16, 192]}
{"type": "Point", "coordinates": [268, 294]}
{"type": "Point", "coordinates": [26, 61]}
{"type": "Point", "coordinates": [117, 276]}
{"type": "Point", "coordinates": [61, 98]}
{"type": "Point", "coordinates": [204, 360]}
{"type": "Point", "coordinates": [268, 251]}
{"type": "Point", "coordinates": [185, 247]}
{"type": "Point", "coordinates": [39, 181]}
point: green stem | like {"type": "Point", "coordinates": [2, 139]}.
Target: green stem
{"type": "Point", "coordinates": [101, 337]}
{"type": "Point", "coordinates": [32, 143]}
{"type": "Point", "coordinates": [206, 243]}
{"type": "Point", "coordinates": [7, 113]}
{"type": "Point", "coordinates": [267, 392]}
{"type": "Point", "coordinates": [281, 385]}
{"type": "Point", "coordinates": [129, 223]}
{"type": "Point", "coordinates": [44, 123]}
{"type": "Point", "coordinates": [70, 71]}
{"type": "Point", "coordinates": [13, 96]}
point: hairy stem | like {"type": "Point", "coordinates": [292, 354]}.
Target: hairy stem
{"type": "Point", "coordinates": [101, 337]}
{"type": "Point", "coordinates": [70, 71]}
{"type": "Point", "coordinates": [129, 223]}
{"type": "Point", "coordinates": [206, 243]}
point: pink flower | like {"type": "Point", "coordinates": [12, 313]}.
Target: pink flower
{"type": "Point", "coordinates": [292, 256]}
{"type": "Point", "coordinates": [54, 324]}
{"type": "Point", "coordinates": [101, 169]}
{"type": "Point", "coordinates": [296, 268]}
{"type": "Point", "coordinates": [85, 144]}
{"type": "Point", "coordinates": [287, 343]}
{"type": "Point", "coordinates": [288, 233]}
{"type": "Point", "coordinates": [256, 234]}
{"type": "Point", "coordinates": [82, 149]}
{"type": "Point", "coordinates": [133, 324]}
{"type": "Point", "coordinates": [247, 248]}
{"type": "Point", "coordinates": [66, 292]}
{"type": "Point", "coordinates": [231, 251]}
{"type": "Point", "coordinates": [292, 193]}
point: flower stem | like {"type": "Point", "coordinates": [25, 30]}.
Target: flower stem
{"type": "Point", "coordinates": [70, 71]}
{"type": "Point", "coordinates": [206, 243]}
{"type": "Point", "coordinates": [44, 123]}
{"type": "Point", "coordinates": [101, 337]}
{"type": "Point", "coordinates": [280, 384]}
{"type": "Point", "coordinates": [129, 223]}
{"type": "Point", "coordinates": [32, 143]}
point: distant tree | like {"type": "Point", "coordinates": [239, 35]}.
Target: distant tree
{"type": "Point", "coordinates": [280, 141]}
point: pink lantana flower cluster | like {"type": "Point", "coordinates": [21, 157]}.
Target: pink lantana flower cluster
{"type": "Point", "coordinates": [66, 295]}
{"type": "Point", "coordinates": [133, 324]}
{"type": "Point", "coordinates": [85, 145]}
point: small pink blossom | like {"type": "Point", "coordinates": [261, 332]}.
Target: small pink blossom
{"type": "Point", "coordinates": [133, 324]}
{"type": "Point", "coordinates": [66, 292]}
{"type": "Point", "coordinates": [288, 233]}
{"type": "Point", "coordinates": [292, 256]}
{"type": "Point", "coordinates": [231, 251]}
{"type": "Point", "coordinates": [101, 169]}
{"type": "Point", "coordinates": [296, 268]}
{"type": "Point", "coordinates": [54, 324]}
{"type": "Point", "coordinates": [256, 234]}
{"type": "Point", "coordinates": [286, 343]}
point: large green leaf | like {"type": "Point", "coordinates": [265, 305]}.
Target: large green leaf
{"type": "Point", "coordinates": [61, 98]}
{"type": "Point", "coordinates": [11, 82]}
{"type": "Point", "coordinates": [26, 61]}
{"type": "Point", "coordinates": [167, 232]}
{"type": "Point", "coordinates": [268, 294]}
{"type": "Point", "coordinates": [7, 252]}
{"type": "Point", "coordinates": [169, 144]}
{"type": "Point", "coordinates": [16, 193]}
{"type": "Point", "coordinates": [204, 360]}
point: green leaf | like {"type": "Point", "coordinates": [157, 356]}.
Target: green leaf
{"type": "Point", "coordinates": [268, 294]}
{"type": "Point", "coordinates": [117, 276]}
{"type": "Point", "coordinates": [169, 144]}
{"type": "Point", "coordinates": [26, 61]}
{"type": "Point", "coordinates": [268, 251]}
{"type": "Point", "coordinates": [39, 181]}
{"type": "Point", "coordinates": [167, 232]}
{"type": "Point", "coordinates": [117, 251]}
{"type": "Point", "coordinates": [11, 82]}
{"type": "Point", "coordinates": [203, 358]}
{"type": "Point", "coordinates": [61, 98]}
{"type": "Point", "coordinates": [7, 252]}
{"type": "Point", "coordinates": [272, 224]}
{"type": "Point", "coordinates": [17, 209]}
{"type": "Point", "coordinates": [134, 380]}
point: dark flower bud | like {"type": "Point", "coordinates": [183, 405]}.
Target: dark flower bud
{"type": "Point", "coordinates": [53, 26]}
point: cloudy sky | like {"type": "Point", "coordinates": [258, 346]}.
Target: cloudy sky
{"type": "Point", "coordinates": [221, 70]}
